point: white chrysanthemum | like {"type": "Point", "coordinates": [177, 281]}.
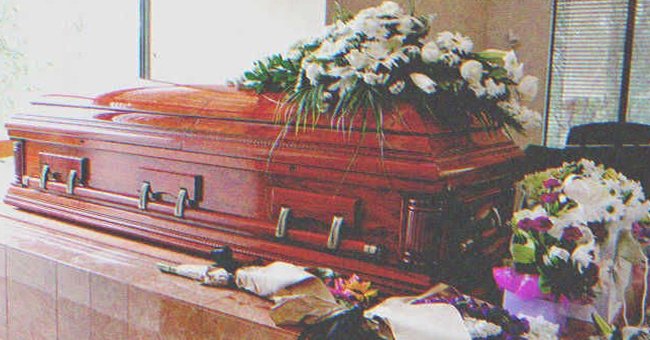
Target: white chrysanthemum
{"type": "Point", "coordinates": [481, 328]}
{"type": "Point", "coordinates": [450, 58]}
{"type": "Point", "coordinates": [454, 42]}
{"type": "Point", "coordinates": [527, 87]}
{"type": "Point", "coordinates": [405, 25]}
{"type": "Point", "coordinates": [445, 40]}
{"type": "Point", "coordinates": [493, 89]}
{"type": "Point", "coordinates": [397, 87]}
{"type": "Point", "coordinates": [556, 253]}
{"type": "Point", "coordinates": [372, 28]}
{"type": "Point", "coordinates": [472, 71]}
{"type": "Point", "coordinates": [592, 196]}
{"type": "Point", "coordinates": [478, 89]}
{"type": "Point", "coordinates": [525, 116]}
{"type": "Point", "coordinates": [423, 82]}
{"type": "Point", "coordinates": [430, 52]}
{"type": "Point", "coordinates": [540, 328]}
{"type": "Point", "coordinates": [357, 59]}
{"type": "Point", "coordinates": [312, 71]}
{"type": "Point", "coordinates": [583, 256]}
{"type": "Point", "coordinates": [377, 49]}
{"type": "Point", "coordinates": [341, 71]}
{"type": "Point", "coordinates": [389, 8]}
{"type": "Point", "coordinates": [372, 78]}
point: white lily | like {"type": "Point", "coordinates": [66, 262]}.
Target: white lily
{"type": "Point", "coordinates": [424, 82]}
{"type": "Point", "coordinates": [430, 52]}
{"type": "Point", "coordinates": [472, 71]}
{"type": "Point", "coordinates": [527, 87]}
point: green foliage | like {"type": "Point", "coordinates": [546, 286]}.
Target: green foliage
{"type": "Point", "coordinates": [275, 74]}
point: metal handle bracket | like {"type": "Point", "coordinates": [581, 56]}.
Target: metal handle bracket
{"type": "Point", "coordinates": [45, 174]}
{"type": "Point", "coordinates": [283, 218]}
{"type": "Point", "coordinates": [334, 239]}
{"type": "Point", "coordinates": [145, 192]}
{"type": "Point", "coordinates": [181, 201]}
{"type": "Point", "coordinates": [72, 180]}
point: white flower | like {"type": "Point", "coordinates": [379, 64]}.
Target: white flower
{"type": "Point", "coordinates": [397, 87]}
{"type": "Point", "coordinates": [372, 78]}
{"type": "Point", "coordinates": [454, 42]}
{"type": "Point", "coordinates": [527, 87]}
{"type": "Point", "coordinates": [583, 256]}
{"type": "Point", "coordinates": [472, 71]}
{"type": "Point", "coordinates": [357, 59]}
{"type": "Point", "coordinates": [372, 28]}
{"type": "Point", "coordinates": [430, 52]}
{"type": "Point", "coordinates": [479, 90]}
{"type": "Point", "coordinates": [480, 328]}
{"type": "Point", "coordinates": [405, 25]}
{"type": "Point", "coordinates": [540, 329]}
{"type": "Point", "coordinates": [389, 8]}
{"type": "Point", "coordinates": [450, 58]}
{"type": "Point", "coordinates": [493, 89]}
{"type": "Point", "coordinates": [377, 49]}
{"type": "Point", "coordinates": [512, 65]}
{"type": "Point", "coordinates": [556, 253]}
{"type": "Point", "coordinates": [592, 196]}
{"type": "Point", "coordinates": [341, 71]}
{"type": "Point", "coordinates": [537, 211]}
{"type": "Point", "coordinates": [445, 40]}
{"type": "Point", "coordinates": [313, 71]}
{"type": "Point", "coordinates": [423, 82]}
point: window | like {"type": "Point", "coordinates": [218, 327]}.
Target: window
{"type": "Point", "coordinates": [600, 68]}
{"type": "Point", "coordinates": [207, 41]}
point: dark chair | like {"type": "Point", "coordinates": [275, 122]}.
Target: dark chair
{"type": "Point", "coordinates": [622, 146]}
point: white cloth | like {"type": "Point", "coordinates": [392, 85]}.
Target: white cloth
{"type": "Point", "coordinates": [423, 321]}
{"type": "Point", "coordinates": [265, 281]}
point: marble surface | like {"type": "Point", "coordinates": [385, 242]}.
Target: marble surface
{"type": "Point", "coordinates": [61, 281]}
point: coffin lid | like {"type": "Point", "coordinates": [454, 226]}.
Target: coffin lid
{"type": "Point", "coordinates": [231, 103]}
{"type": "Point", "coordinates": [210, 118]}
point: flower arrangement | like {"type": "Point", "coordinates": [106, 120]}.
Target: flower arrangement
{"type": "Point", "coordinates": [575, 228]}
{"type": "Point", "coordinates": [485, 321]}
{"type": "Point", "coordinates": [351, 291]}
{"type": "Point", "coordinates": [364, 65]}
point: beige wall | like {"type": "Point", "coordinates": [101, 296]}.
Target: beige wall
{"type": "Point", "coordinates": [491, 24]}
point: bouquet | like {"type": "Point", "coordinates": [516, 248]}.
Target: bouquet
{"type": "Point", "coordinates": [364, 65]}
{"type": "Point", "coordinates": [576, 228]}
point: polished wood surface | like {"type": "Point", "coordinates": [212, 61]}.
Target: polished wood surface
{"type": "Point", "coordinates": [408, 214]}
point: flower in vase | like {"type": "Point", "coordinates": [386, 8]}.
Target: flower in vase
{"type": "Point", "coordinates": [550, 197]}
{"type": "Point", "coordinates": [583, 256]}
{"type": "Point", "coordinates": [527, 87]}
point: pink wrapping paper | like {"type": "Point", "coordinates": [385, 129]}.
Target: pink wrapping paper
{"type": "Point", "coordinates": [525, 286]}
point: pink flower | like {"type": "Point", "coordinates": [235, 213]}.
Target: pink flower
{"type": "Point", "coordinates": [551, 183]}
{"type": "Point", "coordinates": [550, 197]}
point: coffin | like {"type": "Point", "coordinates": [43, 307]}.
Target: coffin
{"type": "Point", "coordinates": [191, 167]}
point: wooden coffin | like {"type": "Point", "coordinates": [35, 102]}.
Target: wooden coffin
{"type": "Point", "coordinates": [190, 167]}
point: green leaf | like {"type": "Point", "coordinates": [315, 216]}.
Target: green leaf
{"type": "Point", "coordinates": [523, 253]}
{"type": "Point", "coordinates": [602, 326]}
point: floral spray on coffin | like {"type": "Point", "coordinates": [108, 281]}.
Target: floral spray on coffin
{"type": "Point", "coordinates": [572, 246]}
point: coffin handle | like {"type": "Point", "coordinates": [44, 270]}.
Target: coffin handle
{"type": "Point", "coordinates": [145, 193]}
{"type": "Point", "coordinates": [334, 239]}
{"type": "Point", "coordinates": [72, 179]}
{"type": "Point", "coordinates": [283, 218]}
{"type": "Point", "coordinates": [45, 173]}
{"type": "Point", "coordinates": [181, 201]}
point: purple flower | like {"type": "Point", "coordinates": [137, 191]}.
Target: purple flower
{"type": "Point", "coordinates": [550, 197]}
{"type": "Point", "coordinates": [551, 183]}
{"type": "Point", "coordinates": [640, 230]}
{"type": "Point", "coordinates": [571, 234]}
{"type": "Point", "coordinates": [541, 224]}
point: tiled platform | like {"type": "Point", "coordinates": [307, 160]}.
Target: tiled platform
{"type": "Point", "coordinates": [58, 280]}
